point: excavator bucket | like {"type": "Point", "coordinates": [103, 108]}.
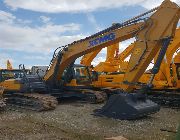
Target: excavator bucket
{"type": "Point", "coordinates": [127, 106]}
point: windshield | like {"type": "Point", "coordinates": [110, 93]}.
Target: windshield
{"type": "Point", "coordinates": [82, 75]}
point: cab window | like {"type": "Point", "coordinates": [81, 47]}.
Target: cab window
{"type": "Point", "coordinates": [82, 75]}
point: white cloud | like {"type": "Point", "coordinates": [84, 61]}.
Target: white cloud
{"type": "Point", "coordinates": [57, 6]}
{"type": "Point", "coordinates": [151, 3]}
{"type": "Point", "coordinates": [97, 60]}
{"type": "Point", "coordinates": [54, 6]}
{"type": "Point", "coordinates": [42, 39]}
{"type": "Point", "coordinates": [18, 35]}
{"type": "Point", "coordinates": [125, 44]}
{"type": "Point", "coordinates": [93, 21]}
{"type": "Point", "coordinates": [36, 39]}
{"type": "Point", "coordinates": [45, 19]}
{"type": "Point", "coordinates": [154, 3]}
{"type": "Point", "coordinates": [6, 17]}
{"type": "Point", "coordinates": [36, 57]}
{"type": "Point", "coordinates": [24, 22]}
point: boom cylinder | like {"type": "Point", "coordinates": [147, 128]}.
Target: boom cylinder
{"type": "Point", "coordinates": [155, 69]}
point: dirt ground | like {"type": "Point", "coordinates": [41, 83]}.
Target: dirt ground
{"type": "Point", "coordinates": [75, 121]}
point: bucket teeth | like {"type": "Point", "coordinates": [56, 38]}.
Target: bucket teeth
{"type": "Point", "coordinates": [127, 106]}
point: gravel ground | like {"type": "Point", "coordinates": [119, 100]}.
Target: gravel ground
{"type": "Point", "coordinates": [74, 121]}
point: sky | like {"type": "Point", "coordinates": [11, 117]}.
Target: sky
{"type": "Point", "coordinates": [32, 29]}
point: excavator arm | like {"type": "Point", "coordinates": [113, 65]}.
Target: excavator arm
{"type": "Point", "coordinates": [160, 29]}
{"type": "Point", "coordinates": [112, 53]}
{"type": "Point", "coordinates": [109, 64]}
{"type": "Point", "coordinates": [164, 73]}
{"type": "Point", "coordinates": [88, 58]}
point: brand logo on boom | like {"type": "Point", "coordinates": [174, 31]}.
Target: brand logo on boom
{"type": "Point", "coordinates": [102, 39]}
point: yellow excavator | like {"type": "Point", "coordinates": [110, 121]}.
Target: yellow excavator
{"type": "Point", "coordinates": [2, 100]}
{"type": "Point", "coordinates": [65, 79]}
{"type": "Point", "coordinates": [24, 90]}
{"type": "Point", "coordinates": [152, 34]}
{"type": "Point", "coordinates": [9, 65]}
{"type": "Point", "coordinates": [117, 61]}
{"type": "Point", "coordinates": [119, 65]}
{"type": "Point", "coordinates": [165, 80]}
{"type": "Point", "coordinates": [114, 62]}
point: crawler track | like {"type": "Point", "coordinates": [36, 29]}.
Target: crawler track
{"type": "Point", "coordinates": [85, 95]}
{"type": "Point", "coordinates": [167, 99]}
{"type": "Point", "coordinates": [95, 96]}
{"type": "Point", "coordinates": [2, 103]}
{"type": "Point", "coordinates": [32, 101]}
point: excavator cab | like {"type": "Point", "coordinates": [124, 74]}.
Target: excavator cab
{"type": "Point", "coordinates": [11, 80]}
{"type": "Point", "coordinates": [76, 75]}
{"type": "Point", "coordinates": [6, 74]}
{"type": "Point", "coordinates": [82, 75]}
{"type": "Point", "coordinates": [19, 80]}
{"type": "Point", "coordinates": [77, 84]}
{"type": "Point", "coordinates": [24, 90]}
